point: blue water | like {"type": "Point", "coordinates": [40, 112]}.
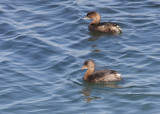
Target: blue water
{"type": "Point", "coordinates": [43, 44]}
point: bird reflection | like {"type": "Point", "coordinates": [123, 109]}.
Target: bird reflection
{"type": "Point", "coordinates": [87, 91]}
{"type": "Point", "coordinates": [96, 50]}
{"type": "Point", "coordinates": [94, 36]}
{"type": "Point", "coordinates": [94, 46]}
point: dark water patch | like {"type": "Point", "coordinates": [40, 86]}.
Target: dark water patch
{"type": "Point", "coordinates": [5, 27]}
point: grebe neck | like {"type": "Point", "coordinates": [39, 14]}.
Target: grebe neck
{"type": "Point", "coordinates": [88, 73]}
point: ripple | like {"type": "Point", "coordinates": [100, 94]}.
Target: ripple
{"type": "Point", "coordinates": [43, 45]}
{"type": "Point", "coordinates": [5, 27]}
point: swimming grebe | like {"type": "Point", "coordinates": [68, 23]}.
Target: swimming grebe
{"type": "Point", "coordinates": [104, 75]}
{"type": "Point", "coordinates": [107, 27]}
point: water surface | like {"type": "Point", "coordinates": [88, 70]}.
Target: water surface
{"type": "Point", "coordinates": [43, 45]}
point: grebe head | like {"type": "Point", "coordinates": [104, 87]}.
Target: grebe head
{"type": "Point", "coordinates": [95, 16]}
{"type": "Point", "coordinates": [88, 64]}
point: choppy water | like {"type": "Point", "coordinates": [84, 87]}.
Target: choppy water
{"type": "Point", "coordinates": [43, 44]}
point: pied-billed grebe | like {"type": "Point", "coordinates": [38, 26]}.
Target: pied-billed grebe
{"type": "Point", "coordinates": [107, 27]}
{"type": "Point", "coordinates": [103, 75]}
